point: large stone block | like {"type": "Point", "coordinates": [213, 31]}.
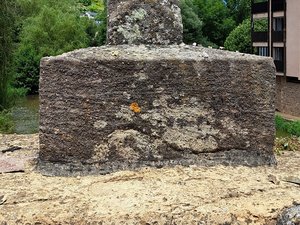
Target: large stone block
{"type": "Point", "coordinates": [113, 107]}
{"type": "Point", "coordinates": [144, 22]}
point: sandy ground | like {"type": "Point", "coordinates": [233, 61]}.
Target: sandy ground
{"type": "Point", "coordinates": [179, 195]}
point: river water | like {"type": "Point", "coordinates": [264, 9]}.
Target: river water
{"type": "Point", "coordinates": [26, 115]}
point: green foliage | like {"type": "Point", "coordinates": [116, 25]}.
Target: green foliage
{"type": "Point", "coordinates": [31, 8]}
{"type": "Point", "coordinates": [294, 128]}
{"type": "Point", "coordinates": [6, 122]}
{"type": "Point", "coordinates": [97, 6]}
{"type": "Point", "coordinates": [98, 37]}
{"type": "Point", "coordinates": [261, 25]}
{"type": "Point", "coordinates": [14, 94]}
{"type": "Point", "coordinates": [239, 9]}
{"type": "Point", "coordinates": [54, 28]}
{"type": "Point", "coordinates": [85, 2]}
{"type": "Point", "coordinates": [279, 122]}
{"type": "Point", "coordinates": [291, 127]}
{"type": "Point", "coordinates": [209, 22]}
{"type": "Point", "coordinates": [51, 27]}
{"type": "Point", "coordinates": [288, 135]}
{"type": "Point", "coordinates": [217, 21]}
{"type": "Point", "coordinates": [192, 25]}
{"type": "Point", "coordinates": [97, 31]}
{"type": "Point", "coordinates": [6, 31]}
{"type": "Point", "coordinates": [240, 38]}
{"type": "Point", "coordinates": [53, 32]}
{"type": "Point", "coordinates": [27, 68]}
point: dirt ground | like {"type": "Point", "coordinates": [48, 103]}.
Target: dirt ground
{"type": "Point", "coordinates": [179, 195]}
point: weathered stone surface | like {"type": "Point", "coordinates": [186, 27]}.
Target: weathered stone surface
{"type": "Point", "coordinates": [287, 96]}
{"type": "Point", "coordinates": [113, 107]}
{"type": "Point", "coordinates": [290, 216]}
{"type": "Point", "coordinates": [144, 22]}
{"type": "Point", "coordinates": [11, 164]}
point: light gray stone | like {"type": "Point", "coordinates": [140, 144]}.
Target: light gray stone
{"type": "Point", "coordinates": [290, 216]}
{"type": "Point", "coordinates": [144, 22]}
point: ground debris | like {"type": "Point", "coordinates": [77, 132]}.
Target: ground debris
{"type": "Point", "coordinates": [272, 178]}
{"type": "Point", "coordinates": [11, 149]}
{"type": "Point", "coordinates": [291, 179]}
{"type": "Point", "coordinates": [2, 199]}
{"type": "Point", "coordinates": [171, 195]}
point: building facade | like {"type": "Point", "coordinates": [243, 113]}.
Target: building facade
{"type": "Point", "coordinates": [275, 32]}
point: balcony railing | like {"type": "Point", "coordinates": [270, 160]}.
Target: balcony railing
{"type": "Point", "coordinates": [260, 36]}
{"type": "Point", "coordinates": [277, 36]}
{"type": "Point", "coordinates": [279, 66]}
{"type": "Point", "coordinates": [278, 5]}
{"type": "Point", "coordinates": [260, 7]}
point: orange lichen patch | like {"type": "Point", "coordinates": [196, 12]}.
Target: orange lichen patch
{"type": "Point", "coordinates": [135, 107]}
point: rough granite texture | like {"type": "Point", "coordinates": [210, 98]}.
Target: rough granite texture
{"type": "Point", "coordinates": [144, 22]}
{"type": "Point", "coordinates": [287, 96]}
{"type": "Point", "coordinates": [121, 107]}
{"type": "Point", "coordinates": [290, 216]}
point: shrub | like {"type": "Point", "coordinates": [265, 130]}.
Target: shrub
{"type": "Point", "coordinates": [239, 39]}
{"type": "Point", "coordinates": [6, 122]}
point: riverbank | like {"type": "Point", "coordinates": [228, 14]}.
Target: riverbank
{"type": "Point", "coordinates": [22, 118]}
{"type": "Point", "coordinates": [179, 195]}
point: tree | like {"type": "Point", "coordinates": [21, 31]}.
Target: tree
{"type": "Point", "coordinates": [217, 21]}
{"type": "Point", "coordinates": [51, 27]}
{"type": "Point", "coordinates": [240, 38]}
{"type": "Point", "coordinates": [97, 31]}
{"type": "Point", "coordinates": [85, 2]}
{"type": "Point", "coordinates": [52, 31]}
{"type": "Point", "coordinates": [6, 31]}
{"type": "Point", "coordinates": [239, 9]}
{"type": "Point", "coordinates": [192, 25]}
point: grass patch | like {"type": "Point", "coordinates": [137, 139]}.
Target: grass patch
{"type": "Point", "coordinates": [287, 135]}
{"type": "Point", "coordinates": [291, 128]}
{"type": "Point", "coordinates": [7, 125]}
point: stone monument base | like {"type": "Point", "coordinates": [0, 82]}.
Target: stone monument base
{"type": "Point", "coordinates": [227, 158]}
{"type": "Point", "coordinates": [122, 107]}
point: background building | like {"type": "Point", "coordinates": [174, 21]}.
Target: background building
{"type": "Point", "coordinates": [276, 33]}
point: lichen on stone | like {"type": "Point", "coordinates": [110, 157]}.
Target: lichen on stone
{"type": "Point", "coordinates": [130, 33]}
{"type": "Point", "coordinates": [100, 124]}
{"type": "Point", "coordinates": [138, 14]}
{"type": "Point", "coordinates": [129, 144]}
{"type": "Point", "coordinates": [125, 114]}
{"type": "Point", "coordinates": [135, 107]}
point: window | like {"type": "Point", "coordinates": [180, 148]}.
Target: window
{"type": "Point", "coordinates": [263, 51]}
{"type": "Point", "coordinates": [278, 58]}
{"type": "Point", "coordinates": [278, 24]}
{"type": "Point", "coordinates": [278, 54]}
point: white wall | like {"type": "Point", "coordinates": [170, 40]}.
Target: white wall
{"type": "Point", "coordinates": [293, 38]}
